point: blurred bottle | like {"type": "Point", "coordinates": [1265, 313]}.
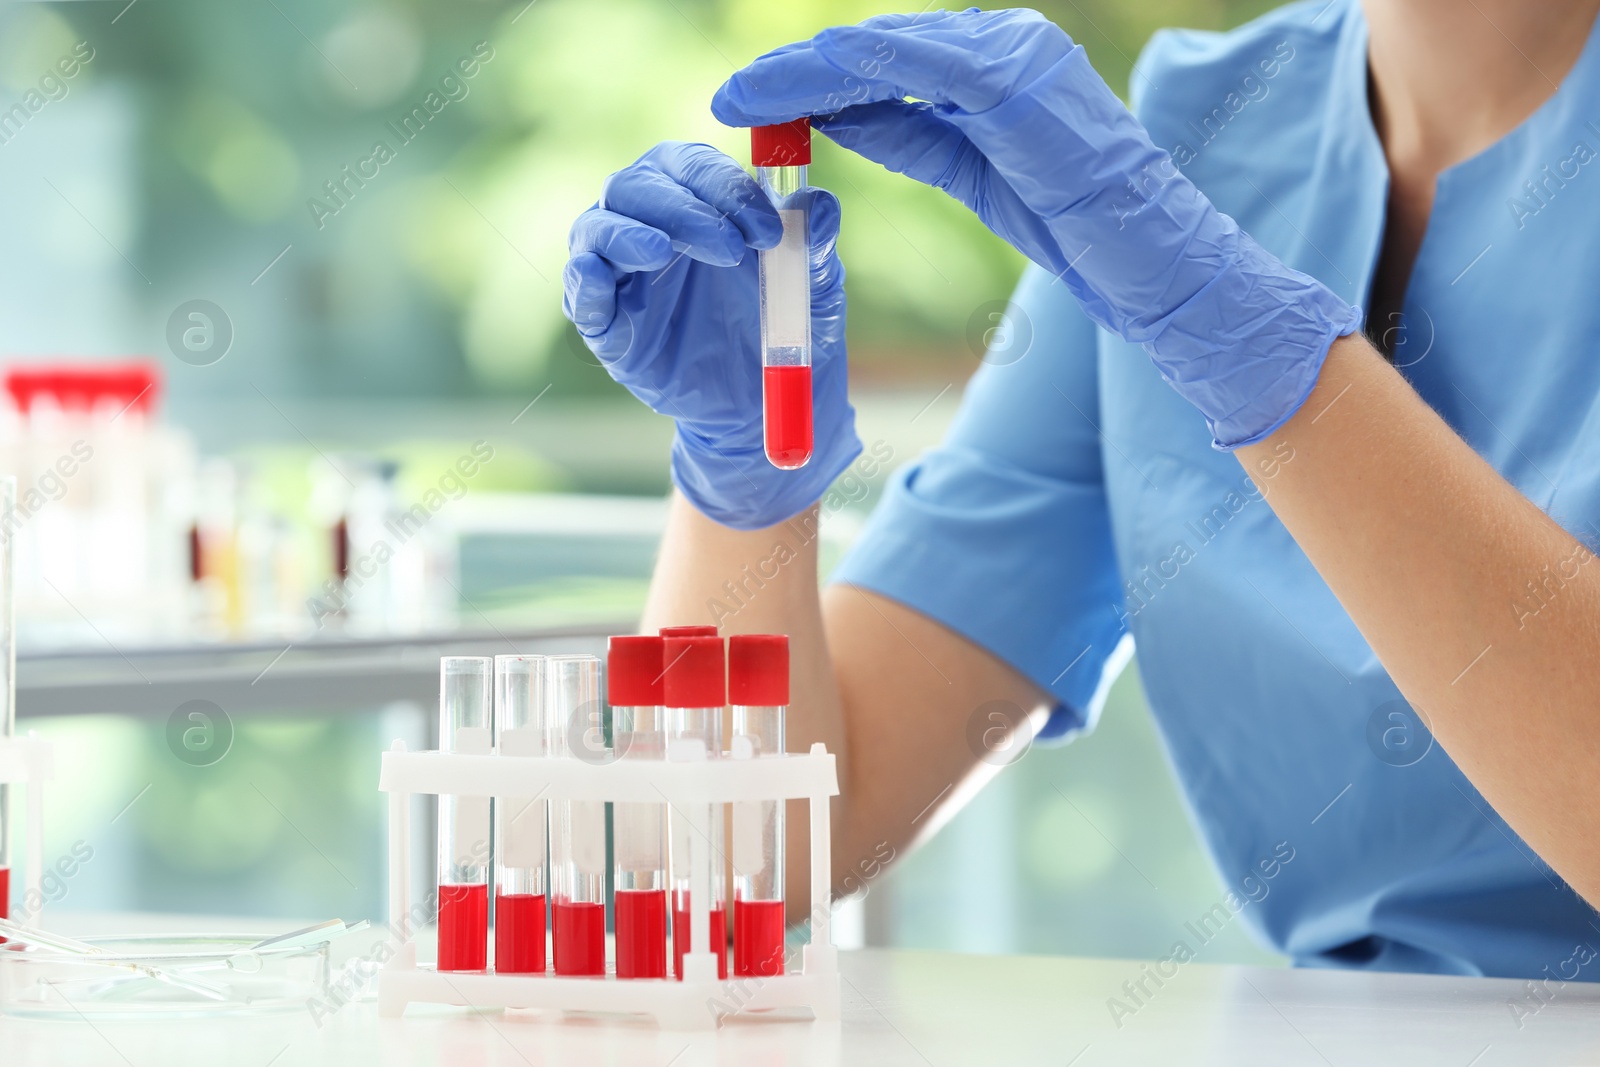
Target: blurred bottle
{"type": "Point", "coordinates": [216, 602]}
{"type": "Point", "coordinates": [369, 584]}
{"type": "Point", "coordinates": [122, 532]}
{"type": "Point", "coordinates": [102, 490]}
{"type": "Point", "coordinates": [389, 572]}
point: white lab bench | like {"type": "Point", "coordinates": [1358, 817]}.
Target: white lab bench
{"type": "Point", "coordinates": [915, 1008]}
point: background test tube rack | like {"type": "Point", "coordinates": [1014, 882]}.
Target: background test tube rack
{"type": "Point", "coordinates": [27, 761]}
{"type": "Point", "coordinates": [689, 784]}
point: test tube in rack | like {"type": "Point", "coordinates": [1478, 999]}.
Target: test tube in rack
{"type": "Point", "coordinates": [694, 690]}
{"type": "Point", "coordinates": [521, 824]}
{"type": "Point", "coordinates": [758, 689]}
{"type": "Point", "coordinates": [464, 728]}
{"type": "Point", "coordinates": [8, 663]}
{"type": "Point", "coordinates": [639, 830]}
{"type": "Point", "coordinates": [577, 827]}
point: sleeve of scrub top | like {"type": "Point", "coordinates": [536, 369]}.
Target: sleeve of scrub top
{"type": "Point", "coordinates": [1001, 533]}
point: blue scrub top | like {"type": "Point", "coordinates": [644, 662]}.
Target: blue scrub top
{"type": "Point", "coordinates": [1077, 500]}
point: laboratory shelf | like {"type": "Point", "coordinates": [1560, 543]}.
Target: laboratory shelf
{"type": "Point", "coordinates": [323, 672]}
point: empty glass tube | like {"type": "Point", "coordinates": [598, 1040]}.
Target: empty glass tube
{"type": "Point", "coordinates": [758, 689]}
{"type": "Point", "coordinates": [639, 830]}
{"type": "Point", "coordinates": [464, 727]}
{"type": "Point", "coordinates": [780, 155]}
{"type": "Point", "coordinates": [520, 823]}
{"type": "Point", "coordinates": [694, 690]}
{"type": "Point", "coordinates": [577, 827]}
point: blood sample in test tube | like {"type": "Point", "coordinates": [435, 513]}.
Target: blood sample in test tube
{"type": "Point", "coordinates": [638, 830]}
{"type": "Point", "coordinates": [758, 689]}
{"type": "Point", "coordinates": [465, 728]}
{"type": "Point", "coordinates": [694, 690]}
{"type": "Point", "coordinates": [521, 824]}
{"type": "Point", "coordinates": [577, 827]}
{"type": "Point", "coordinates": [780, 155]}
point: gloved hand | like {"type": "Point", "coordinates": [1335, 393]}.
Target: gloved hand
{"type": "Point", "coordinates": [1020, 128]}
{"type": "Point", "coordinates": [663, 287]}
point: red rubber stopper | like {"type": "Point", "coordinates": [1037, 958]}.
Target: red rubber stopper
{"type": "Point", "coordinates": [633, 671]}
{"type": "Point", "coordinates": [133, 384]}
{"type": "Point", "coordinates": [688, 631]}
{"type": "Point", "coordinates": [758, 670]}
{"type": "Point", "coordinates": [693, 673]}
{"type": "Point", "coordinates": [787, 144]}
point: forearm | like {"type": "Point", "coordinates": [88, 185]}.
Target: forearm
{"type": "Point", "coordinates": [1433, 554]}
{"type": "Point", "coordinates": [891, 692]}
{"type": "Point", "coordinates": [760, 581]}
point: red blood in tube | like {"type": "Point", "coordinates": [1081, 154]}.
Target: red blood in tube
{"type": "Point", "coordinates": [641, 918]}
{"type": "Point", "coordinates": [786, 394]}
{"type": "Point", "coordinates": [757, 938]}
{"type": "Point", "coordinates": [463, 927]}
{"type": "Point", "coordinates": [519, 933]}
{"type": "Point", "coordinates": [680, 935]}
{"type": "Point", "coordinates": [580, 938]}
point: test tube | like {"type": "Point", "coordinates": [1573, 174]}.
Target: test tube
{"type": "Point", "coordinates": [758, 689]}
{"type": "Point", "coordinates": [520, 823]}
{"type": "Point", "coordinates": [577, 827]}
{"type": "Point", "coordinates": [694, 690]}
{"type": "Point", "coordinates": [639, 830]}
{"type": "Point", "coordinates": [780, 155]}
{"type": "Point", "coordinates": [464, 727]}
{"type": "Point", "coordinates": [8, 663]}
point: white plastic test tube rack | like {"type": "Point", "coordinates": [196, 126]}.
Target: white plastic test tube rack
{"type": "Point", "coordinates": [27, 761]}
{"type": "Point", "coordinates": [700, 999]}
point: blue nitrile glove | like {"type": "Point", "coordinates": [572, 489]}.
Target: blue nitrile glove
{"type": "Point", "coordinates": [1021, 129]}
{"type": "Point", "coordinates": [662, 285]}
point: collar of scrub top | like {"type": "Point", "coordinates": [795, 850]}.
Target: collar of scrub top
{"type": "Point", "coordinates": [1491, 228]}
{"type": "Point", "coordinates": [1355, 172]}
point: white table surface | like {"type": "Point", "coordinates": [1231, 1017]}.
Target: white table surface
{"type": "Point", "coordinates": [916, 1008]}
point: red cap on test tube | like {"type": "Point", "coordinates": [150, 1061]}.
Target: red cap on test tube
{"type": "Point", "coordinates": [633, 671]}
{"type": "Point", "coordinates": [787, 144]}
{"type": "Point", "coordinates": [758, 670]}
{"type": "Point", "coordinates": [693, 675]}
{"type": "Point", "coordinates": [688, 631]}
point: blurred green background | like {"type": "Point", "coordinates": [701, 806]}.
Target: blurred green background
{"type": "Point", "coordinates": [441, 277]}
{"type": "Point", "coordinates": [190, 159]}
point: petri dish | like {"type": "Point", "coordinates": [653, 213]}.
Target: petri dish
{"type": "Point", "coordinates": [166, 976]}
